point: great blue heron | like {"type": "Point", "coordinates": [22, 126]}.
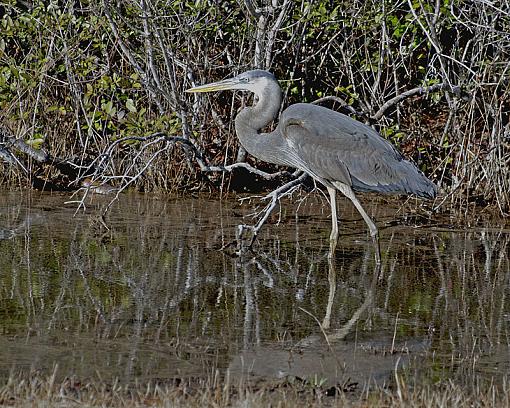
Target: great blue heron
{"type": "Point", "coordinates": [336, 150]}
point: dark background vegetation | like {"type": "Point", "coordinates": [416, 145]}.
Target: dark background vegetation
{"type": "Point", "coordinates": [97, 88]}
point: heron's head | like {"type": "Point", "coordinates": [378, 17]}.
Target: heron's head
{"type": "Point", "coordinates": [254, 81]}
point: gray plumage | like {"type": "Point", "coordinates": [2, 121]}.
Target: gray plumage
{"type": "Point", "coordinates": [333, 148]}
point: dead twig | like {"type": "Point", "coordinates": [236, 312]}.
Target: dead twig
{"type": "Point", "coordinates": [9, 143]}
{"type": "Point", "coordinates": [98, 167]}
{"type": "Point", "coordinates": [275, 196]}
{"type": "Point", "coordinates": [342, 103]}
{"type": "Point", "coordinates": [190, 148]}
{"type": "Point", "coordinates": [411, 92]}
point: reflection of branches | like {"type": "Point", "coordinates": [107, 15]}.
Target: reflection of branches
{"type": "Point", "coordinates": [22, 227]}
{"type": "Point", "coordinates": [151, 281]}
{"type": "Point", "coordinates": [470, 306]}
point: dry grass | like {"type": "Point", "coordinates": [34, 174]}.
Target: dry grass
{"type": "Point", "coordinates": [34, 389]}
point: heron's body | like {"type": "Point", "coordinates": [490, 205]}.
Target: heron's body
{"type": "Point", "coordinates": [334, 149]}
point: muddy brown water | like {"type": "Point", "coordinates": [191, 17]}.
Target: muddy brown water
{"type": "Point", "coordinates": [156, 293]}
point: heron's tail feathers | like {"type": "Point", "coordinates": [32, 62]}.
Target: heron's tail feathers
{"type": "Point", "coordinates": [406, 180]}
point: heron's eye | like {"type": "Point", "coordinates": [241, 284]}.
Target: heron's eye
{"type": "Point", "coordinates": [244, 80]}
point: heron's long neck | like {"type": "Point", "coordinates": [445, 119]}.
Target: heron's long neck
{"type": "Point", "coordinates": [250, 120]}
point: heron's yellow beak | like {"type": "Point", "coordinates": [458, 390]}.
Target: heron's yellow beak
{"type": "Point", "coordinates": [214, 86]}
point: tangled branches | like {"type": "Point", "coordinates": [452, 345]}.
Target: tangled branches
{"type": "Point", "coordinates": [75, 80]}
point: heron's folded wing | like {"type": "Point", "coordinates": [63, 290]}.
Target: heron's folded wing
{"type": "Point", "coordinates": [332, 145]}
{"type": "Point", "coordinates": [337, 147]}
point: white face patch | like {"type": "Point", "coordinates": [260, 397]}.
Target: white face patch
{"type": "Point", "coordinates": [255, 85]}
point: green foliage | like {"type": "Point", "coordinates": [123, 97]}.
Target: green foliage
{"type": "Point", "coordinates": [76, 72]}
{"type": "Point", "coordinates": [59, 61]}
{"type": "Point", "coordinates": [393, 133]}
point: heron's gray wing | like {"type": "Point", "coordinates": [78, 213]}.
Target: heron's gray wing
{"type": "Point", "coordinates": [334, 147]}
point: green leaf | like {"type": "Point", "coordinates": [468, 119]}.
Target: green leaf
{"type": "Point", "coordinates": [108, 108]}
{"type": "Point", "coordinates": [130, 105]}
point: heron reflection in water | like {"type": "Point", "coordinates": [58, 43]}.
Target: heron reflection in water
{"type": "Point", "coordinates": [336, 150]}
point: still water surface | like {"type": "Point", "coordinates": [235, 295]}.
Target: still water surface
{"type": "Point", "coordinates": [156, 292]}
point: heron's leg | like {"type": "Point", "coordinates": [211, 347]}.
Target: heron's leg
{"type": "Point", "coordinates": [374, 232]}
{"type": "Point", "coordinates": [333, 238]}
{"type": "Point", "coordinates": [332, 289]}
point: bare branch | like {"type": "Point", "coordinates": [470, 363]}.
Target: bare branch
{"type": "Point", "coordinates": [415, 91]}
{"type": "Point", "coordinates": [275, 196]}
{"type": "Point", "coordinates": [8, 141]}
{"type": "Point", "coordinates": [251, 9]}
{"type": "Point", "coordinates": [129, 55]}
{"type": "Point", "coordinates": [7, 156]}
{"type": "Point", "coordinates": [39, 156]}
{"type": "Point", "coordinates": [271, 35]}
{"type": "Point", "coordinates": [190, 148]}
{"type": "Point", "coordinates": [342, 103]}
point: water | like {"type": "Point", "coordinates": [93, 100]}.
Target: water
{"type": "Point", "coordinates": [155, 292]}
